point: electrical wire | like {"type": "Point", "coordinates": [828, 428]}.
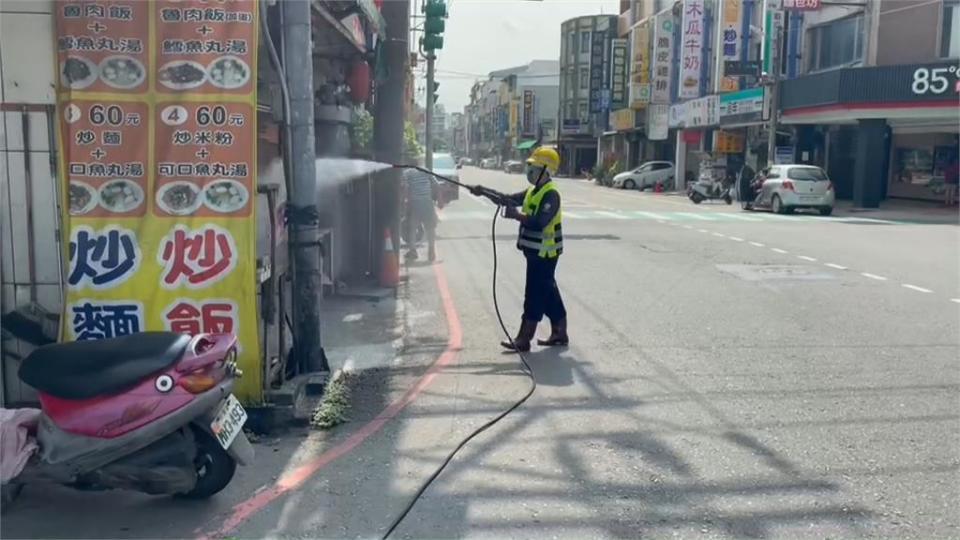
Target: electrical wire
{"type": "Point", "coordinates": [528, 371]}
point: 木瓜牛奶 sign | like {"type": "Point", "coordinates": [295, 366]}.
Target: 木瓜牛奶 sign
{"type": "Point", "coordinates": [156, 102]}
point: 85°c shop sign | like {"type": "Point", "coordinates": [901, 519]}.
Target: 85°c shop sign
{"type": "Point", "coordinates": [938, 81]}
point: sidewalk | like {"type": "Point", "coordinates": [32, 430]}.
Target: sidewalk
{"type": "Point", "coordinates": [920, 212]}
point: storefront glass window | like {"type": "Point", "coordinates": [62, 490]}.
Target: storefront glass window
{"type": "Point", "coordinates": [584, 42]}
{"type": "Point", "coordinates": [920, 163]}
{"type": "Point", "coordinates": [950, 38]}
{"type": "Point", "coordinates": [836, 44]}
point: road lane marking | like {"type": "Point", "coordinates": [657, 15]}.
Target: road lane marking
{"type": "Point", "coordinates": [873, 276]}
{"type": "Point", "coordinates": [915, 288]}
{"type": "Point", "coordinates": [689, 227]}
{"type": "Point", "coordinates": [740, 217]}
{"type": "Point", "coordinates": [662, 222]}
{"type": "Point", "coordinates": [736, 239]}
{"type": "Point", "coordinates": [835, 266]}
{"type": "Point", "coordinates": [956, 300]}
{"type": "Point", "coordinates": [702, 230]}
{"type": "Point", "coordinates": [651, 215]}
{"type": "Point", "coordinates": [780, 251]}
{"type": "Point", "coordinates": [718, 235]}
{"type": "Point", "coordinates": [569, 214]}
{"type": "Point", "coordinates": [756, 244]}
{"type": "Point", "coordinates": [613, 215]}
{"type": "Point", "coordinates": [805, 258]}
{"type": "Point", "coordinates": [694, 215]}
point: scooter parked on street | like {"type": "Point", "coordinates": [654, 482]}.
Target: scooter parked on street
{"type": "Point", "coordinates": [151, 412]}
{"type": "Point", "coordinates": [708, 190]}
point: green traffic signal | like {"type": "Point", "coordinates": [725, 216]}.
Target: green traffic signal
{"type": "Point", "coordinates": [434, 25]}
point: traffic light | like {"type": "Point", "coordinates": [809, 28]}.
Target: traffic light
{"type": "Point", "coordinates": [436, 86]}
{"type": "Point", "coordinates": [434, 25]}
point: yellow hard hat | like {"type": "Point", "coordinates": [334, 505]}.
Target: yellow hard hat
{"type": "Point", "coordinates": [545, 156]}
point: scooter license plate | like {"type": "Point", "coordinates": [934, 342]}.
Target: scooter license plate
{"type": "Point", "coordinates": [229, 421]}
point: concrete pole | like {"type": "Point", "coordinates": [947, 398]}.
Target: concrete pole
{"type": "Point", "coordinates": [428, 129]}
{"type": "Point", "coordinates": [388, 126]}
{"type": "Point", "coordinates": [307, 284]}
{"type": "Point", "coordinates": [777, 29]}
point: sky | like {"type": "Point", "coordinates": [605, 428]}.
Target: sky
{"type": "Point", "coordinates": [486, 35]}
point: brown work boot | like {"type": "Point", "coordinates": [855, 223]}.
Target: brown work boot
{"type": "Point", "coordinates": [558, 335]}
{"type": "Point", "coordinates": [521, 343]}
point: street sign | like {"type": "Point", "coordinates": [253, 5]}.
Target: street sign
{"type": "Point", "coordinates": [737, 68]}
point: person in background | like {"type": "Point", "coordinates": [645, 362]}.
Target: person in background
{"type": "Point", "coordinates": [420, 191]}
{"type": "Point", "coordinates": [950, 181]}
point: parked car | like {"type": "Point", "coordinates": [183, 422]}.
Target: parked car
{"type": "Point", "coordinates": [645, 176]}
{"type": "Point", "coordinates": [488, 163]}
{"type": "Point", "coordinates": [513, 166]}
{"type": "Point", "coordinates": [465, 161]}
{"type": "Point", "coordinates": [444, 165]}
{"type": "Point", "coordinates": [790, 187]}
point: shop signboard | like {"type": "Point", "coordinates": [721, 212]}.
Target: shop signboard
{"type": "Point", "coordinates": [662, 58]}
{"type": "Point", "coordinates": [783, 155]}
{"type": "Point", "coordinates": [623, 119]}
{"type": "Point", "coordinates": [802, 5]}
{"type": "Point", "coordinates": [527, 111]}
{"type": "Point", "coordinates": [732, 15]}
{"type": "Point", "coordinates": [597, 40]}
{"type": "Point", "coordinates": [743, 107]}
{"type": "Point", "coordinates": [619, 50]}
{"type": "Point", "coordinates": [157, 156]}
{"type": "Point", "coordinates": [571, 125]}
{"type": "Point", "coordinates": [696, 113]}
{"type": "Point", "coordinates": [773, 24]}
{"type": "Point", "coordinates": [726, 142]}
{"type": "Point", "coordinates": [658, 122]}
{"type": "Point", "coordinates": [691, 49]}
{"type": "Point", "coordinates": [640, 72]}
{"type": "Point", "coordinates": [737, 68]}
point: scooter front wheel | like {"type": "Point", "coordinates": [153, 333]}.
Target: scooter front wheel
{"type": "Point", "coordinates": [215, 467]}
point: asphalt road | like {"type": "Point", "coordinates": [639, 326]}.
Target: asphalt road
{"type": "Point", "coordinates": [731, 375]}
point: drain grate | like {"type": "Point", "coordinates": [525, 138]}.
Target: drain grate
{"type": "Point", "coordinates": [775, 272]}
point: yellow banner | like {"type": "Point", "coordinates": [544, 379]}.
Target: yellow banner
{"type": "Point", "coordinates": [157, 112]}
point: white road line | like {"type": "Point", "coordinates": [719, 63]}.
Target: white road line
{"type": "Point", "coordinates": [780, 251]}
{"type": "Point", "coordinates": [873, 276]}
{"type": "Point", "coordinates": [805, 258]}
{"type": "Point", "coordinates": [739, 217]}
{"type": "Point", "coordinates": [736, 239]}
{"type": "Point", "coordinates": [756, 244]}
{"type": "Point", "coordinates": [835, 266]}
{"type": "Point", "coordinates": [613, 215]}
{"type": "Point", "coordinates": [915, 288]}
{"type": "Point", "coordinates": [651, 215]}
{"type": "Point", "coordinates": [662, 222]}
{"type": "Point", "coordinates": [569, 214]}
{"type": "Point", "coordinates": [718, 235]}
{"type": "Point", "coordinates": [688, 227]}
{"type": "Point", "coordinates": [702, 230]}
{"type": "Point", "coordinates": [694, 215]}
{"type": "Point", "coordinates": [957, 300]}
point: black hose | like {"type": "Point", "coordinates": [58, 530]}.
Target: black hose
{"type": "Point", "coordinates": [528, 371]}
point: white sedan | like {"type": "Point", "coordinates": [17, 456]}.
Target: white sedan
{"type": "Point", "coordinates": [791, 187]}
{"type": "Point", "coordinates": [645, 176]}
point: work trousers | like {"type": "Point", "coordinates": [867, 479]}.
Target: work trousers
{"type": "Point", "coordinates": [541, 295]}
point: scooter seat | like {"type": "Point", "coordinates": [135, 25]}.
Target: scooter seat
{"type": "Point", "coordinates": [87, 369]}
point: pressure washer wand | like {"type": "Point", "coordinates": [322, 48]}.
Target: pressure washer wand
{"type": "Point", "coordinates": [498, 198]}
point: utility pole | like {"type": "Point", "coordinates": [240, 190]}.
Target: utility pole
{"type": "Point", "coordinates": [776, 26]}
{"type": "Point", "coordinates": [389, 119]}
{"type": "Point", "coordinates": [307, 282]}
{"type": "Point", "coordinates": [428, 129]}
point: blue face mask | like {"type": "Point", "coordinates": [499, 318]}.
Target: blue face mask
{"type": "Point", "coordinates": [534, 173]}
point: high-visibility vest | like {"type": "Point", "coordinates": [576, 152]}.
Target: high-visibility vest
{"type": "Point", "coordinates": [548, 243]}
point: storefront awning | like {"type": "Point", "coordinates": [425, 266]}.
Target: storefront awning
{"type": "Point", "coordinates": [526, 145]}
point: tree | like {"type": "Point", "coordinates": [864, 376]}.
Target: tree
{"type": "Point", "coordinates": [411, 148]}
{"type": "Point", "coordinates": [361, 132]}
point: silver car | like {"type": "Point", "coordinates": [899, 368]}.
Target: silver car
{"type": "Point", "coordinates": [645, 176]}
{"type": "Point", "coordinates": [790, 187]}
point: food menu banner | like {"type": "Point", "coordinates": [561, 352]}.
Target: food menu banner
{"type": "Point", "coordinates": [691, 49]}
{"type": "Point", "coordinates": [157, 125]}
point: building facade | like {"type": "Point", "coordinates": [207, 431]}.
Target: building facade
{"type": "Point", "coordinates": [589, 88]}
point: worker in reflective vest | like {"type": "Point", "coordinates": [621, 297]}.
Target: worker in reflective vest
{"type": "Point", "coordinates": [541, 241]}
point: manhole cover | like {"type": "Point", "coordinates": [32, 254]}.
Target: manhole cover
{"type": "Point", "coordinates": [774, 272]}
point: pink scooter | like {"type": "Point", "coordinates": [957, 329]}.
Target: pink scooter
{"type": "Point", "coordinates": [150, 412]}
